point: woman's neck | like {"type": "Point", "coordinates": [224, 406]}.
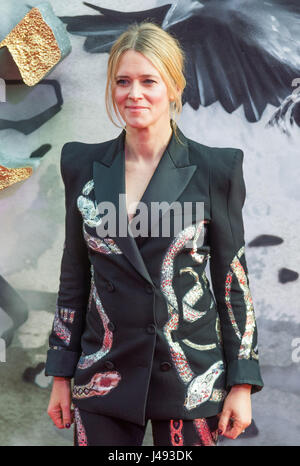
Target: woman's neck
{"type": "Point", "coordinates": [147, 144]}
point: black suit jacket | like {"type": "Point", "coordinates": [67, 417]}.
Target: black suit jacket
{"type": "Point", "coordinates": [137, 324]}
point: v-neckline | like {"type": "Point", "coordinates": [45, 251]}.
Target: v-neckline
{"type": "Point", "coordinates": [149, 182]}
{"type": "Point", "coordinates": [144, 192]}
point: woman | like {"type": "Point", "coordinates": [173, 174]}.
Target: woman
{"type": "Point", "coordinates": [136, 323]}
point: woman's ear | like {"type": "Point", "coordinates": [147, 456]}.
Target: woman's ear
{"type": "Point", "coordinates": [172, 97]}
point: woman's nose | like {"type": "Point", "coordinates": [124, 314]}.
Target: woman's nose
{"type": "Point", "coordinates": [135, 91]}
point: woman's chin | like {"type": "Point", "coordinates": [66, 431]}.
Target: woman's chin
{"type": "Point", "coordinates": [137, 122]}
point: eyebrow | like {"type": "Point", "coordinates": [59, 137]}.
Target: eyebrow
{"type": "Point", "coordinates": [143, 75]}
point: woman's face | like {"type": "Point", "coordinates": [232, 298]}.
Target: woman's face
{"type": "Point", "coordinates": [139, 84]}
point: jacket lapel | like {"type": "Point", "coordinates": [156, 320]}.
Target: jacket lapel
{"type": "Point", "coordinates": [169, 180]}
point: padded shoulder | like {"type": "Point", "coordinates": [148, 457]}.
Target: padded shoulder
{"type": "Point", "coordinates": [221, 160]}
{"type": "Point", "coordinates": [76, 156]}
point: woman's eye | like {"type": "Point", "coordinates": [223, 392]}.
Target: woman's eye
{"type": "Point", "coordinates": [121, 81]}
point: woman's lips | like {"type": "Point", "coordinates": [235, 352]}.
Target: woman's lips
{"type": "Point", "coordinates": [136, 109]}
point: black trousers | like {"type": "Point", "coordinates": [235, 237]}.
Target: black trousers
{"type": "Point", "coordinates": [91, 429]}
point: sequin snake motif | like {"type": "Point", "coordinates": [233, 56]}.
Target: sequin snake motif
{"type": "Point", "coordinates": [199, 387]}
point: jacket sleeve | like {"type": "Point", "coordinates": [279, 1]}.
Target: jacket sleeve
{"type": "Point", "coordinates": [74, 287]}
{"type": "Point", "coordinates": [229, 275]}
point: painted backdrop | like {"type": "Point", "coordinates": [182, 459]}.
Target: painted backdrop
{"type": "Point", "coordinates": [243, 73]}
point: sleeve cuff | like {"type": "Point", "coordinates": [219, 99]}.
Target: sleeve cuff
{"type": "Point", "coordinates": [61, 363]}
{"type": "Point", "coordinates": [242, 371]}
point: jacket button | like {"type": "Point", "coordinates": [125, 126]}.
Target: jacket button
{"type": "Point", "coordinates": [110, 286]}
{"type": "Point", "coordinates": [149, 289]}
{"type": "Point", "coordinates": [111, 326]}
{"type": "Point", "coordinates": [165, 366]}
{"type": "Point", "coordinates": [109, 365]}
{"type": "Point", "coordinates": [151, 329]}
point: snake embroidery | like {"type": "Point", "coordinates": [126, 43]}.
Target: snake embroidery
{"type": "Point", "coordinates": [199, 387]}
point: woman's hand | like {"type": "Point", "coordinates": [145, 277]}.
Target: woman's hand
{"type": "Point", "coordinates": [59, 408]}
{"type": "Point", "coordinates": [237, 407]}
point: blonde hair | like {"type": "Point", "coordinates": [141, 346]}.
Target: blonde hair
{"type": "Point", "coordinates": [163, 50]}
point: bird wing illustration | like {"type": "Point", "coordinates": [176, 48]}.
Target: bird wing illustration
{"type": "Point", "coordinates": [237, 52]}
